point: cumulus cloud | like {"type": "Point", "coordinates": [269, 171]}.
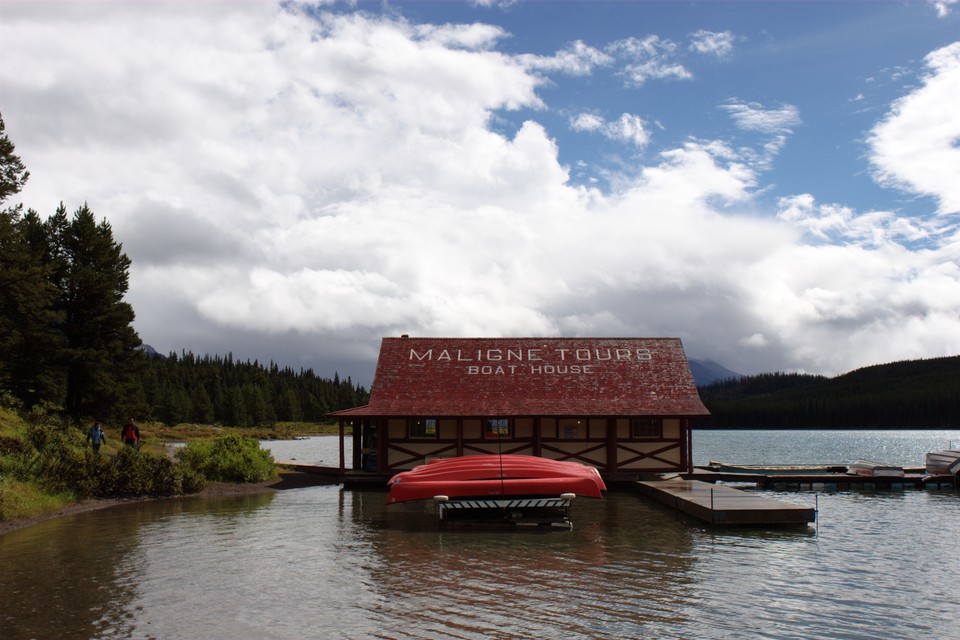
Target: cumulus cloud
{"type": "Point", "coordinates": [295, 184]}
{"type": "Point", "coordinates": [915, 147]}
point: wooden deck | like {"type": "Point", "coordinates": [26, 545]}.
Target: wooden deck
{"type": "Point", "coordinates": [722, 505]}
{"type": "Point", "coordinates": [816, 479]}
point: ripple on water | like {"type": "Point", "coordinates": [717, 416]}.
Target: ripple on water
{"type": "Point", "coordinates": [321, 562]}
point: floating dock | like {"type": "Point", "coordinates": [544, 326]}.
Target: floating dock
{"type": "Point", "coordinates": [722, 505]}
{"type": "Point", "coordinates": [827, 477]}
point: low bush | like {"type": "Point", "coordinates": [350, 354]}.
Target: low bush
{"type": "Point", "coordinates": [133, 473]}
{"type": "Point", "coordinates": [230, 458]}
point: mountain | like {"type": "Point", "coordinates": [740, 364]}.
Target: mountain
{"type": "Point", "coordinates": [150, 351]}
{"type": "Point", "coordinates": [707, 372]}
{"type": "Point", "coordinates": [911, 394]}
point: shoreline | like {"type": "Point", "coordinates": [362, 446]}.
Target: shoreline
{"type": "Point", "coordinates": [283, 481]}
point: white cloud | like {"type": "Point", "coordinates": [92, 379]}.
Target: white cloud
{"type": "Point", "coordinates": [646, 58]}
{"type": "Point", "coordinates": [776, 124]}
{"type": "Point", "coordinates": [577, 59]}
{"type": "Point", "coordinates": [915, 148]}
{"type": "Point", "coordinates": [294, 188]}
{"type": "Point", "coordinates": [628, 128]}
{"type": "Point", "coordinates": [943, 7]}
{"type": "Point", "coordinates": [842, 224]}
{"type": "Point", "coordinates": [715, 43]}
{"type": "Point", "coordinates": [755, 117]}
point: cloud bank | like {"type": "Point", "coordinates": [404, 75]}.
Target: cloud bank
{"type": "Point", "coordinates": [294, 184]}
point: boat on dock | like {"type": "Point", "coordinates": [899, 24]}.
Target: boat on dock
{"type": "Point", "coordinates": [492, 487]}
{"type": "Point", "coordinates": [768, 470]}
{"type": "Point", "coordinates": [943, 463]}
{"type": "Point", "coordinates": [874, 469]}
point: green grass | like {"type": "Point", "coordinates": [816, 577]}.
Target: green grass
{"type": "Point", "coordinates": [24, 500]}
{"type": "Point", "coordinates": [46, 465]}
{"type": "Point", "coordinates": [194, 432]}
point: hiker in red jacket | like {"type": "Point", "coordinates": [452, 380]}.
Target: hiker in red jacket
{"type": "Point", "coordinates": [130, 433]}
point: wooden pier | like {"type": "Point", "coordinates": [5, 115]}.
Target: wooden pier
{"type": "Point", "coordinates": [722, 505]}
{"type": "Point", "coordinates": [822, 479]}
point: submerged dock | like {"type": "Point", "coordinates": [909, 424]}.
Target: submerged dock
{"type": "Point", "coordinates": [718, 504]}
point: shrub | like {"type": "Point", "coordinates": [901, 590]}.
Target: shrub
{"type": "Point", "coordinates": [230, 458]}
{"type": "Point", "coordinates": [131, 473]}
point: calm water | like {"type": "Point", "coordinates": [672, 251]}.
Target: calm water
{"type": "Point", "coordinates": [322, 563]}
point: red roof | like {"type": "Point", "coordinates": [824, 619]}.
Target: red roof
{"type": "Point", "coordinates": [531, 377]}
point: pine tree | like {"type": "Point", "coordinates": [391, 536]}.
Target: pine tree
{"type": "Point", "coordinates": [13, 175]}
{"type": "Point", "coordinates": [91, 273]}
{"type": "Point", "coordinates": [27, 340]}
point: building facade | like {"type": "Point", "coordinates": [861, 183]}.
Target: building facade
{"type": "Point", "coordinates": [623, 405]}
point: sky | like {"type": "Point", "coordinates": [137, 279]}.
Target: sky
{"type": "Point", "coordinates": [775, 183]}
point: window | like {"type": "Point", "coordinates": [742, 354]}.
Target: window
{"type": "Point", "coordinates": [646, 428]}
{"type": "Point", "coordinates": [497, 428]}
{"type": "Point", "coordinates": [423, 428]}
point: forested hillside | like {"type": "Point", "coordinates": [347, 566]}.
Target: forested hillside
{"type": "Point", "coordinates": [915, 394]}
{"type": "Point", "coordinates": [219, 390]}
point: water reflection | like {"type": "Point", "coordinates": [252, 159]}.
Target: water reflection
{"type": "Point", "coordinates": [463, 582]}
{"type": "Point", "coordinates": [321, 562]}
{"type": "Point", "coordinates": [84, 575]}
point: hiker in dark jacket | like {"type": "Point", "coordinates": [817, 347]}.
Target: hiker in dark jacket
{"type": "Point", "coordinates": [130, 433]}
{"type": "Point", "coordinates": [96, 436]}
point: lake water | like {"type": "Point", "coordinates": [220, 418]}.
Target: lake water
{"type": "Point", "coordinates": [320, 562]}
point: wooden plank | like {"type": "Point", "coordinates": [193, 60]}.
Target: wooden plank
{"type": "Point", "coordinates": [724, 505]}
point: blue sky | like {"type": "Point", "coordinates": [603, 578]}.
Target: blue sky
{"type": "Point", "coordinates": [776, 183]}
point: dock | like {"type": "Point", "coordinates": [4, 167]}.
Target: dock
{"type": "Point", "coordinates": [723, 505]}
{"type": "Point", "coordinates": [827, 477]}
{"type": "Point", "coordinates": [349, 478]}
{"type": "Point", "coordinates": [331, 474]}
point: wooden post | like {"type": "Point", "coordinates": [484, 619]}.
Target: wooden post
{"type": "Point", "coordinates": [343, 460]}
{"type": "Point", "coordinates": [611, 445]}
{"type": "Point", "coordinates": [460, 437]}
{"type": "Point", "coordinates": [537, 438]}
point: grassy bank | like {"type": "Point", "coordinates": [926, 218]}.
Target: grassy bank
{"type": "Point", "coordinates": [279, 431]}
{"type": "Point", "coordinates": [46, 465]}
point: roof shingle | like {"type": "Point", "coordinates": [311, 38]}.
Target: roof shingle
{"type": "Point", "coordinates": [531, 377]}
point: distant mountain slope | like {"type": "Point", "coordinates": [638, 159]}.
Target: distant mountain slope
{"type": "Point", "coordinates": [913, 394]}
{"type": "Point", "coordinates": [707, 372]}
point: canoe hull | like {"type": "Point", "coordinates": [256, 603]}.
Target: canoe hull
{"type": "Point", "coordinates": [874, 469]}
{"type": "Point", "coordinates": [487, 476]}
{"type": "Point", "coordinates": [943, 463]}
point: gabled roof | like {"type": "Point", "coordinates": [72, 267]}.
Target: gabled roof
{"type": "Point", "coordinates": [435, 377]}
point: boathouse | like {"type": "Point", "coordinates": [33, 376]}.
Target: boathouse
{"type": "Point", "coordinates": [623, 405]}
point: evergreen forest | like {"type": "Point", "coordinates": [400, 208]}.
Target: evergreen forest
{"type": "Point", "coordinates": [914, 394]}
{"type": "Point", "coordinates": [217, 390]}
{"type": "Point", "coordinates": [68, 346]}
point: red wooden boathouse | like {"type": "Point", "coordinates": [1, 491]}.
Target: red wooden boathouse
{"type": "Point", "coordinates": [623, 405]}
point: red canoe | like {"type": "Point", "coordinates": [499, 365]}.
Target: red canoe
{"type": "Point", "coordinates": [485, 476]}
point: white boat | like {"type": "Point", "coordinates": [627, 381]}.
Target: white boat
{"type": "Point", "coordinates": [867, 468]}
{"type": "Point", "coordinates": [943, 463]}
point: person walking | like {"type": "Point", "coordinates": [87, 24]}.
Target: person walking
{"type": "Point", "coordinates": [96, 436]}
{"type": "Point", "coordinates": [130, 433]}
